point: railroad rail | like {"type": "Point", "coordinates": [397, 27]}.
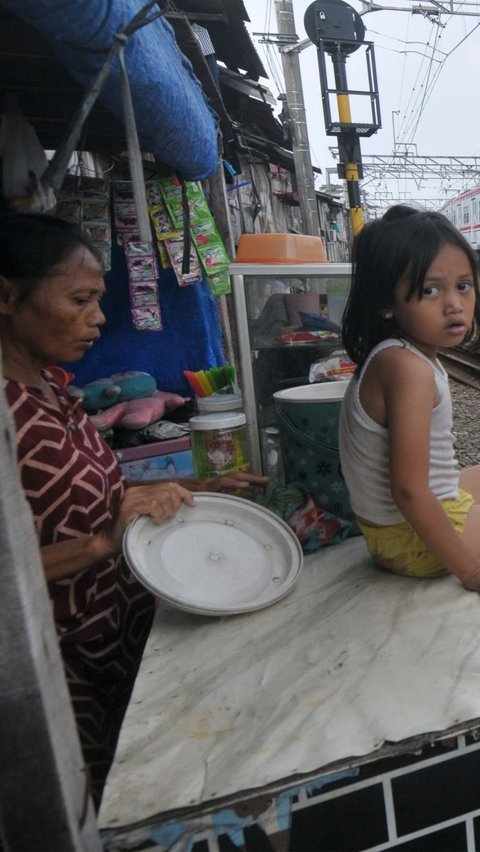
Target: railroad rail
{"type": "Point", "coordinates": [462, 366]}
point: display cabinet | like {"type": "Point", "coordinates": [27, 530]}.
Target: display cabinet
{"type": "Point", "coordinates": [287, 318]}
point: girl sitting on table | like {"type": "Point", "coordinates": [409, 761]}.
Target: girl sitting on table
{"type": "Point", "coordinates": [51, 285]}
{"type": "Point", "coordinates": [414, 292]}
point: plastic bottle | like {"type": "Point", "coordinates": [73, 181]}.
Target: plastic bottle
{"type": "Point", "coordinates": [272, 456]}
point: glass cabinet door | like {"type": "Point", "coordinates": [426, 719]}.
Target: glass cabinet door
{"type": "Point", "coordinates": [288, 318]}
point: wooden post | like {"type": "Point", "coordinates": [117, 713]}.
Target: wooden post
{"type": "Point", "coordinates": [221, 214]}
{"type": "Point", "coordinates": [44, 803]}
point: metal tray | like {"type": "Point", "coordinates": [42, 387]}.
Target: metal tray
{"type": "Point", "coordinates": [226, 555]}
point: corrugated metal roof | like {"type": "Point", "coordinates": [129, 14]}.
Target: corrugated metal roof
{"type": "Point", "coordinates": [225, 22]}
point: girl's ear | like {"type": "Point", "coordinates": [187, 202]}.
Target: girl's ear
{"type": "Point", "coordinates": [8, 296]}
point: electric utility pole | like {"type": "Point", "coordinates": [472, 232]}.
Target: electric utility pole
{"type": "Point", "coordinates": [289, 51]}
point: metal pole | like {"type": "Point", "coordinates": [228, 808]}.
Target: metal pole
{"type": "Point", "coordinates": [296, 108]}
{"type": "Point", "coordinates": [394, 113]}
{"type": "Point", "coordinates": [345, 117]}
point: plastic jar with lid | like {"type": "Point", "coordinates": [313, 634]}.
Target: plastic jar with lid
{"type": "Point", "coordinates": [220, 402]}
{"type": "Point", "coordinates": [219, 443]}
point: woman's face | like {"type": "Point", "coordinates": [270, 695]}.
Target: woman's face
{"type": "Point", "coordinates": [60, 319]}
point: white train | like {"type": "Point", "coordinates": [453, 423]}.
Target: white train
{"type": "Point", "coordinates": [464, 212]}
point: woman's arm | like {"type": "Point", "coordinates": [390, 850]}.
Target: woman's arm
{"type": "Point", "coordinates": [159, 500]}
{"type": "Point", "coordinates": [67, 558]}
{"type": "Point", "coordinates": [238, 480]}
{"type": "Point", "coordinates": [410, 396]}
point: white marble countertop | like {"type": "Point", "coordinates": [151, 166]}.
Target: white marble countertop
{"type": "Point", "coordinates": [350, 659]}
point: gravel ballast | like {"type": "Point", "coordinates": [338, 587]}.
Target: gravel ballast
{"type": "Point", "coordinates": [466, 422]}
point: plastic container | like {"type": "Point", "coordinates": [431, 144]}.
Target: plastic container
{"type": "Point", "coordinates": [219, 443]}
{"type": "Point", "coordinates": [219, 402]}
{"type": "Point", "coordinates": [272, 457]}
{"type": "Point", "coordinates": [308, 419]}
{"type": "Point", "coordinates": [280, 248]}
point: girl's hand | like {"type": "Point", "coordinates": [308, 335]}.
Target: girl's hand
{"type": "Point", "coordinates": [472, 580]}
{"type": "Point", "coordinates": [159, 500]}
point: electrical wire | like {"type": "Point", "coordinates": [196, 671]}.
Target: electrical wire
{"type": "Point", "coordinates": [430, 85]}
{"type": "Point", "coordinates": [421, 96]}
{"type": "Point", "coordinates": [425, 84]}
{"type": "Point", "coordinates": [270, 56]}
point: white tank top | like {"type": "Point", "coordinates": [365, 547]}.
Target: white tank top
{"type": "Point", "coordinates": [364, 454]}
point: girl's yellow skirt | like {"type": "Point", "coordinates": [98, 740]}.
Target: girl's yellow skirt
{"type": "Point", "coordinates": [398, 548]}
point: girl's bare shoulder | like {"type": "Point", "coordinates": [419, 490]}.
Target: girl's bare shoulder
{"type": "Point", "coordinates": [396, 361]}
{"type": "Point", "coordinates": [394, 373]}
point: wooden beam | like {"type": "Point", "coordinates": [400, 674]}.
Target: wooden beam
{"type": "Point", "coordinates": [198, 16]}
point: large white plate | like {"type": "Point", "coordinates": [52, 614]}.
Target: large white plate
{"type": "Point", "coordinates": [226, 555]}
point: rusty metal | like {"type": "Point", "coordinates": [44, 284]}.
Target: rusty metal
{"type": "Point", "coordinates": [462, 366]}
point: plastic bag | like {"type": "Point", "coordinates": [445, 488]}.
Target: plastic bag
{"type": "Point", "coordinates": [314, 527]}
{"type": "Point", "coordinates": [23, 163]}
{"type": "Point", "coordinates": [337, 366]}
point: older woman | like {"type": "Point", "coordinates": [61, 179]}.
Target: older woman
{"type": "Point", "coordinates": [51, 286]}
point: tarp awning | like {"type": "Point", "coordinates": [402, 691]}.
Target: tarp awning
{"type": "Point", "coordinates": [174, 121]}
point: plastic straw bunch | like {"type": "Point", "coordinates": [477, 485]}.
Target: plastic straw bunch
{"type": "Point", "coordinates": [206, 382]}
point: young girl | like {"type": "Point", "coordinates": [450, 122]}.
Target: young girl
{"type": "Point", "coordinates": [414, 292]}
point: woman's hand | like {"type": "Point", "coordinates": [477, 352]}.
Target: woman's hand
{"type": "Point", "coordinates": [159, 500]}
{"type": "Point", "coordinates": [239, 480]}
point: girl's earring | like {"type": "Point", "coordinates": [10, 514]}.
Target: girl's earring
{"type": "Point", "coordinates": [387, 314]}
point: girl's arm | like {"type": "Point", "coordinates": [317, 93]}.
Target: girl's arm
{"type": "Point", "coordinates": [410, 395]}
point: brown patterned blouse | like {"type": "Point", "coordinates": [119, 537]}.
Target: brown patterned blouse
{"type": "Point", "coordinates": [74, 486]}
{"type": "Point", "coordinates": [102, 614]}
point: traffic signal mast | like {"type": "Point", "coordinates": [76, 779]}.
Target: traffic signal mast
{"type": "Point", "coordinates": [338, 30]}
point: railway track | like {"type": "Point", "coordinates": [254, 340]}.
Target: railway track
{"type": "Point", "coordinates": [462, 366]}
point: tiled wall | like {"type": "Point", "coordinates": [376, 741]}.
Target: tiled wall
{"type": "Point", "coordinates": [431, 802]}
{"type": "Point", "coordinates": [424, 801]}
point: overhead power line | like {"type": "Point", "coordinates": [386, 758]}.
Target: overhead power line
{"type": "Point", "coordinates": [431, 10]}
{"type": "Point", "coordinates": [417, 168]}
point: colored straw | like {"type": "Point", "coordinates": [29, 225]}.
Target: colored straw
{"type": "Point", "coordinates": [194, 383]}
{"type": "Point", "coordinates": [207, 382]}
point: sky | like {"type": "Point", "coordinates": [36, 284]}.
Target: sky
{"type": "Point", "coordinates": [428, 77]}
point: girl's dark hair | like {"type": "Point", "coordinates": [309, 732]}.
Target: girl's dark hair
{"type": "Point", "coordinates": [34, 245]}
{"type": "Point", "coordinates": [403, 241]}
